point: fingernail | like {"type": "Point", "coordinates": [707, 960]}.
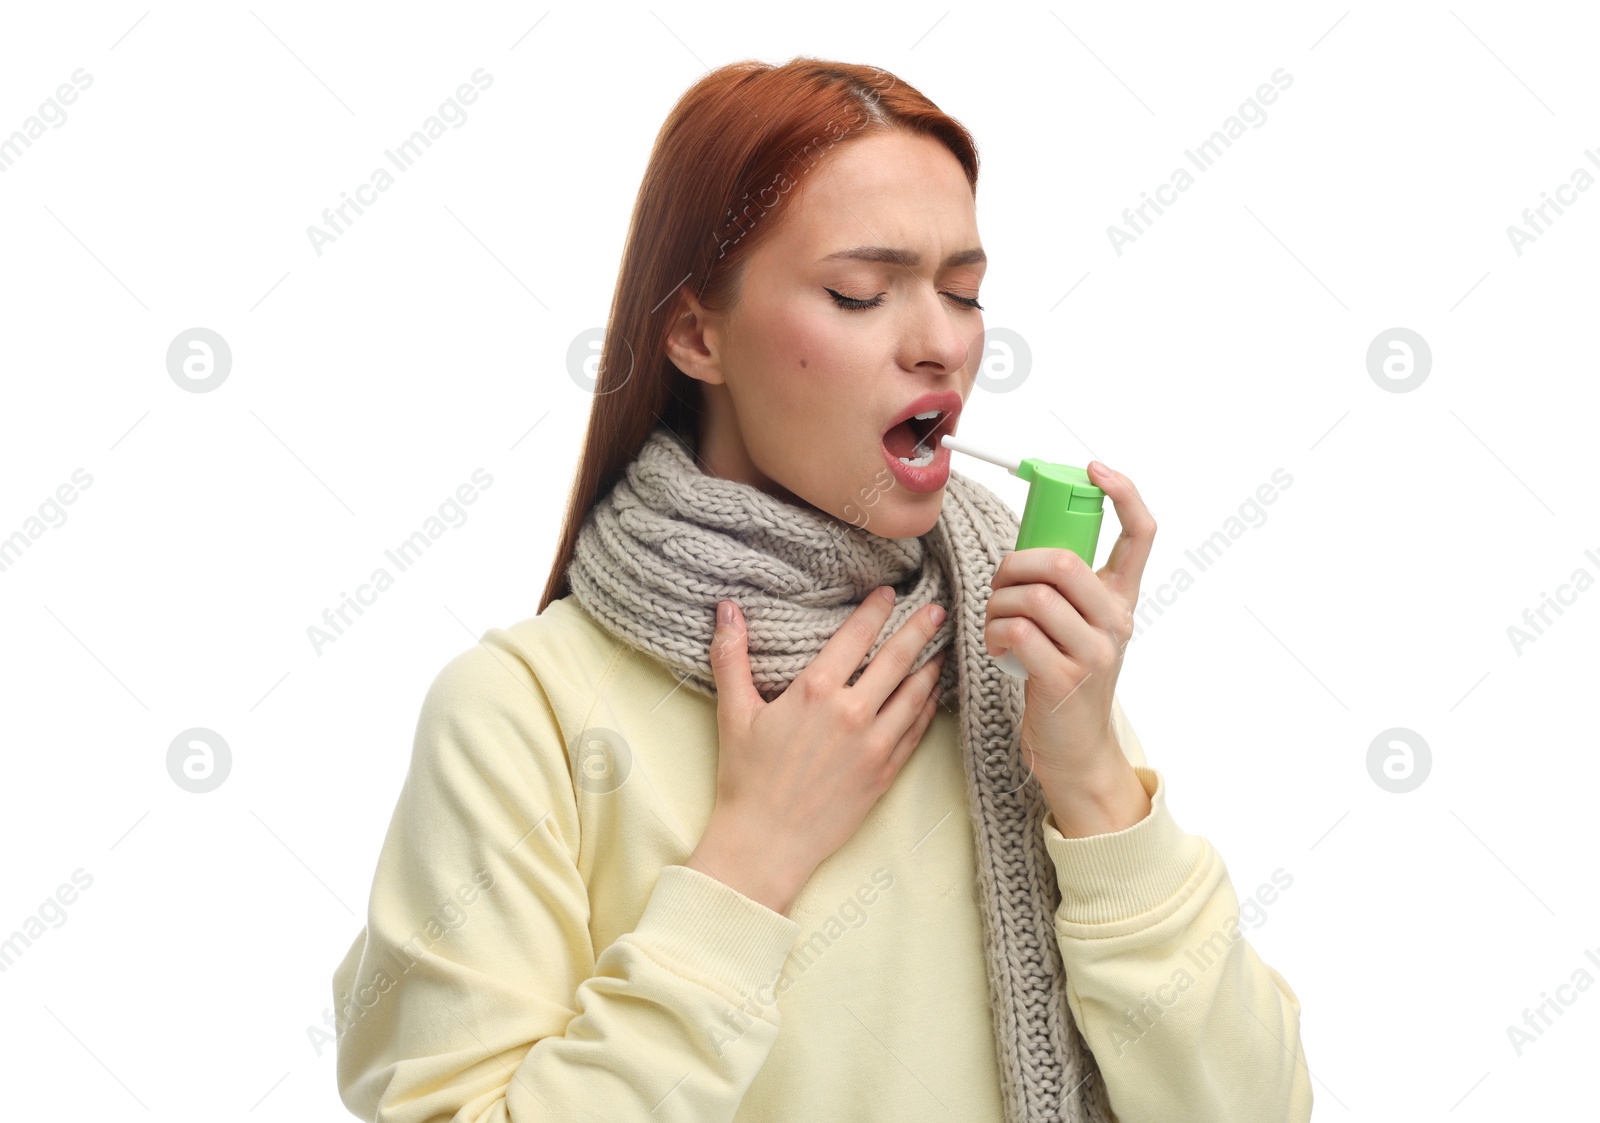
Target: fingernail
{"type": "Point", "coordinates": [1103, 469]}
{"type": "Point", "coordinates": [937, 614]}
{"type": "Point", "coordinates": [886, 592]}
{"type": "Point", "coordinates": [724, 614]}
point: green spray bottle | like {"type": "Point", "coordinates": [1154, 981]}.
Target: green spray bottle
{"type": "Point", "coordinates": [1063, 510]}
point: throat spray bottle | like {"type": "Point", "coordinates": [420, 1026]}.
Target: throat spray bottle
{"type": "Point", "coordinates": [1064, 510]}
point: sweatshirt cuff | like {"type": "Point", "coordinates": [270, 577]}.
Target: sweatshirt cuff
{"type": "Point", "coordinates": [714, 933]}
{"type": "Point", "coordinates": [1123, 874]}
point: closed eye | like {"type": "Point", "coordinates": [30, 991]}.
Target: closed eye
{"type": "Point", "coordinates": [851, 302]}
{"type": "Point", "coordinates": [854, 304]}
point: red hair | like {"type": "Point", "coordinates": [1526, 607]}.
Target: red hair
{"type": "Point", "coordinates": [735, 147]}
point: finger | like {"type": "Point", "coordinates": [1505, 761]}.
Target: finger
{"type": "Point", "coordinates": [912, 697]}
{"type": "Point", "coordinates": [912, 737]}
{"type": "Point", "coordinates": [1042, 658]}
{"type": "Point", "coordinates": [846, 648]}
{"type": "Point", "coordinates": [730, 665]}
{"type": "Point", "coordinates": [1047, 610]}
{"type": "Point", "coordinates": [899, 653]}
{"type": "Point", "coordinates": [1124, 568]}
{"type": "Point", "coordinates": [1071, 576]}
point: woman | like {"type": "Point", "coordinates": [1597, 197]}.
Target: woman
{"type": "Point", "coordinates": [705, 839]}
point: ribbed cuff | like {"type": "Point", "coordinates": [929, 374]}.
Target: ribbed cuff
{"type": "Point", "coordinates": [714, 932]}
{"type": "Point", "coordinates": [1124, 874]}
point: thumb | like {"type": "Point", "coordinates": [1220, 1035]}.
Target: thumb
{"type": "Point", "coordinates": [730, 662]}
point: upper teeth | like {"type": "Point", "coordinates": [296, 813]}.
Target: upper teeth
{"type": "Point", "coordinates": [925, 416]}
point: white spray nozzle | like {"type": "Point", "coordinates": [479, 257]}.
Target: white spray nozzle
{"type": "Point", "coordinates": [1008, 463]}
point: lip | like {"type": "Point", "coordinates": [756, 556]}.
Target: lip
{"type": "Point", "coordinates": [920, 480]}
{"type": "Point", "coordinates": [936, 474]}
{"type": "Point", "coordinates": [946, 400]}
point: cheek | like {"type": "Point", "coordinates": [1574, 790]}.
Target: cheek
{"type": "Point", "coordinates": [817, 363]}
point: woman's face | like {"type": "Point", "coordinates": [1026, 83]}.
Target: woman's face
{"type": "Point", "coordinates": [800, 387]}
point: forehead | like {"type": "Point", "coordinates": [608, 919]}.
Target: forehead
{"type": "Point", "coordinates": [895, 188]}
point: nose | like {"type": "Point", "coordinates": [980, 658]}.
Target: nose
{"type": "Point", "coordinates": [936, 339]}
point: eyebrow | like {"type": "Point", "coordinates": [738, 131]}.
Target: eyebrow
{"type": "Point", "coordinates": [886, 255]}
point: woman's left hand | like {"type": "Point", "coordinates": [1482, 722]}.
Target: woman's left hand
{"type": "Point", "coordinates": [1069, 626]}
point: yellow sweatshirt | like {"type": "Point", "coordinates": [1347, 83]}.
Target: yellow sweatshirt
{"type": "Point", "coordinates": [535, 951]}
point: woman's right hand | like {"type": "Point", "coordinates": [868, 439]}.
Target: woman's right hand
{"type": "Point", "coordinates": [796, 776]}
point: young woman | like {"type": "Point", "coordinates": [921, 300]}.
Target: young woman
{"type": "Point", "coordinates": [747, 824]}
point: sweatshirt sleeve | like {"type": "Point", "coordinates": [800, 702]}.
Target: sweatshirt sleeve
{"type": "Point", "coordinates": [1184, 1019]}
{"type": "Point", "coordinates": [474, 992]}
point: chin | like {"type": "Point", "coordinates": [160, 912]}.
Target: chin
{"type": "Point", "coordinates": [909, 520]}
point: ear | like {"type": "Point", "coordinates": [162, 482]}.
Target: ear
{"type": "Point", "coordinates": [693, 340]}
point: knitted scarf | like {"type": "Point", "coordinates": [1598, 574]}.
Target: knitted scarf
{"type": "Point", "coordinates": [667, 542]}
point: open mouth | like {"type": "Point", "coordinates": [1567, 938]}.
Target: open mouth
{"type": "Point", "coordinates": [915, 441]}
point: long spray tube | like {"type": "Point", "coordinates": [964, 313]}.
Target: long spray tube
{"type": "Point", "coordinates": [971, 449]}
{"type": "Point", "coordinates": [1063, 511]}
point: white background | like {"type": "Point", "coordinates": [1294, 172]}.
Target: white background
{"type": "Point", "coordinates": [368, 382]}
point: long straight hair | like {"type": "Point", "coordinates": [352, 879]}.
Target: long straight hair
{"type": "Point", "coordinates": [735, 148]}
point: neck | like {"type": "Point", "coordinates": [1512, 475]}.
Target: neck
{"type": "Point", "coordinates": [719, 447]}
